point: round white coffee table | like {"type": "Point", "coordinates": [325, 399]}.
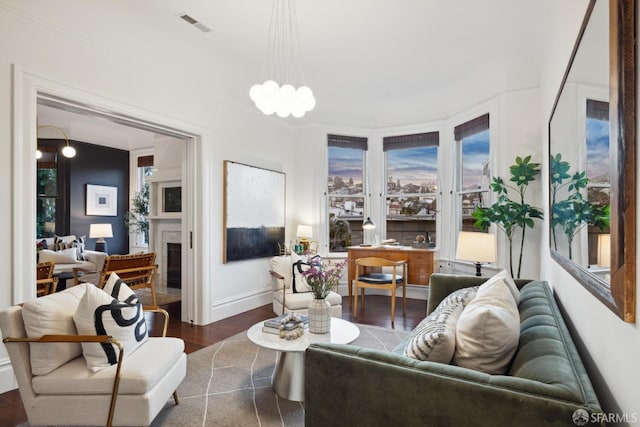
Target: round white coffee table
{"type": "Point", "coordinates": [288, 376]}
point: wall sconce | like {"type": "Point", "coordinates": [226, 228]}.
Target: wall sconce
{"type": "Point", "coordinates": [100, 231]}
{"type": "Point", "coordinates": [68, 151]}
{"type": "Point", "coordinates": [476, 247]}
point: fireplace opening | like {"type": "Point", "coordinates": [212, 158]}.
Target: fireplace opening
{"type": "Point", "coordinates": [174, 262]}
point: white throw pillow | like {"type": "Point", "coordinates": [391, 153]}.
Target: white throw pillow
{"type": "Point", "coordinates": [298, 281]}
{"type": "Point", "coordinates": [63, 256]}
{"type": "Point", "coordinates": [488, 329]}
{"type": "Point", "coordinates": [504, 275]}
{"type": "Point", "coordinates": [434, 338]}
{"type": "Point", "coordinates": [52, 315]}
{"type": "Point", "coordinates": [101, 314]}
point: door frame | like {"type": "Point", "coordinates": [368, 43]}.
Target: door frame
{"type": "Point", "coordinates": [28, 89]}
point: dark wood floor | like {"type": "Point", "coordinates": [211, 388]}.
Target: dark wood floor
{"type": "Point", "coordinates": [377, 312]}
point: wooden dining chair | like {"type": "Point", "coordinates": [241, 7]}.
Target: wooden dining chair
{"type": "Point", "coordinates": [369, 274]}
{"type": "Point", "coordinates": [45, 282]}
{"type": "Point", "coordinates": [138, 271]}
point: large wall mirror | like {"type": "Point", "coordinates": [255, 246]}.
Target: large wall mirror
{"type": "Point", "coordinates": [592, 158]}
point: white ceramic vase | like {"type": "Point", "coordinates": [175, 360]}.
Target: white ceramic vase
{"type": "Point", "coordinates": [319, 316]}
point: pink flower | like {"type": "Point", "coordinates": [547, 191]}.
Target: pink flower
{"type": "Point", "coordinates": [323, 277]}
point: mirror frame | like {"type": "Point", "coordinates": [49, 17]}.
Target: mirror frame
{"type": "Point", "coordinates": [620, 294]}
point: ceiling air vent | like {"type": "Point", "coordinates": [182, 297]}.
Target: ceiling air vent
{"type": "Point", "coordinates": [195, 23]}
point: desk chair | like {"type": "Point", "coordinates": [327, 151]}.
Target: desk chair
{"type": "Point", "coordinates": [45, 282]}
{"type": "Point", "coordinates": [366, 278]}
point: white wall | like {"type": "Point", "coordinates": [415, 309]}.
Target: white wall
{"type": "Point", "coordinates": [610, 347]}
{"type": "Point", "coordinates": [164, 89]}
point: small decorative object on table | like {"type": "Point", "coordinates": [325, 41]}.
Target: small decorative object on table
{"type": "Point", "coordinates": [288, 326]}
{"type": "Point", "coordinates": [322, 278]}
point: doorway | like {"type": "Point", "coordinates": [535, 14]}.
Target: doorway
{"type": "Point", "coordinates": [32, 90]}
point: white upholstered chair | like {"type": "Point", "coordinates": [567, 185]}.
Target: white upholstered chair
{"type": "Point", "coordinates": [130, 392]}
{"type": "Point", "coordinates": [285, 300]}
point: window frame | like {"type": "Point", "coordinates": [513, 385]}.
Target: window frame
{"type": "Point", "coordinates": [406, 141]}
{"type": "Point", "coordinates": [464, 130]}
{"type": "Point", "coordinates": [137, 181]}
{"type": "Point", "coordinates": [353, 142]}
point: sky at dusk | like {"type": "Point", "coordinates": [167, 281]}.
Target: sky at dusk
{"type": "Point", "coordinates": [475, 151]}
{"type": "Point", "coordinates": [346, 163]}
{"type": "Point", "coordinates": [414, 165]}
{"type": "Point", "coordinates": [597, 148]}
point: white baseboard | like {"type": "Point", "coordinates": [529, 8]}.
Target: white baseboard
{"type": "Point", "coordinates": [230, 307]}
{"type": "Point", "coordinates": [7, 379]}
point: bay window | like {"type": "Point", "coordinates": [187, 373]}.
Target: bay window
{"type": "Point", "coordinates": [411, 187]}
{"type": "Point", "coordinates": [346, 190]}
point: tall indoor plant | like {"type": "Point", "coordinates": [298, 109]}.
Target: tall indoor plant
{"type": "Point", "coordinates": [508, 214]}
{"type": "Point", "coordinates": [574, 212]}
{"type": "Point", "coordinates": [137, 218]}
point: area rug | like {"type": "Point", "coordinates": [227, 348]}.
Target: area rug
{"type": "Point", "coordinates": [229, 384]}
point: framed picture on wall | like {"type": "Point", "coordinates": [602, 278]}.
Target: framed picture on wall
{"type": "Point", "coordinates": [254, 211]}
{"type": "Point", "coordinates": [172, 199]}
{"type": "Point", "coordinates": [102, 200]}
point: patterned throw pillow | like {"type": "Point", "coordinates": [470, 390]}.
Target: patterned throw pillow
{"type": "Point", "coordinates": [434, 338]}
{"type": "Point", "coordinates": [80, 242]}
{"type": "Point", "coordinates": [119, 315]}
{"type": "Point", "coordinates": [299, 282]}
{"type": "Point", "coordinates": [61, 243]}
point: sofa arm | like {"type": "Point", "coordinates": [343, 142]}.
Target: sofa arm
{"type": "Point", "coordinates": [352, 386]}
{"type": "Point", "coordinates": [96, 257]}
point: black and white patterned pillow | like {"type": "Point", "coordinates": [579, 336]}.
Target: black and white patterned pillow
{"type": "Point", "coordinates": [120, 316]}
{"type": "Point", "coordinates": [80, 242]}
{"type": "Point", "coordinates": [61, 243]}
{"type": "Point", "coordinates": [434, 338]}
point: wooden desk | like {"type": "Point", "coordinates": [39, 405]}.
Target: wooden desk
{"type": "Point", "coordinates": [420, 261]}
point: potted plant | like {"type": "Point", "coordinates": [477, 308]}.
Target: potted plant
{"type": "Point", "coordinates": [574, 212]}
{"type": "Point", "coordinates": [137, 218]}
{"type": "Point", "coordinates": [508, 214]}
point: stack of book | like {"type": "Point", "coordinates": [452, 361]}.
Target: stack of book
{"type": "Point", "coordinates": [272, 326]}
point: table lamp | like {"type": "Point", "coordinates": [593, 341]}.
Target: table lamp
{"type": "Point", "coordinates": [476, 247]}
{"type": "Point", "coordinates": [304, 234]}
{"type": "Point", "coordinates": [604, 250]}
{"type": "Point", "coordinates": [100, 231]}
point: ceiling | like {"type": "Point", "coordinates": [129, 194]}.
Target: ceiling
{"type": "Point", "coordinates": [370, 63]}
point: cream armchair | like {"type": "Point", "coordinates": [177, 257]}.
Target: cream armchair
{"type": "Point", "coordinates": [131, 392]}
{"type": "Point", "coordinates": [285, 300]}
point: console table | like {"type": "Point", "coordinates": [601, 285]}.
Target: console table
{"type": "Point", "coordinates": [420, 261]}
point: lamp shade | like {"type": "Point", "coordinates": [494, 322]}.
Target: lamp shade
{"type": "Point", "coordinates": [604, 250]}
{"type": "Point", "coordinates": [476, 247]}
{"type": "Point", "coordinates": [100, 231]}
{"type": "Point", "coordinates": [304, 231]}
{"type": "Point", "coordinates": [368, 224]}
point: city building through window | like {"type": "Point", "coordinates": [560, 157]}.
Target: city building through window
{"type": "Point", "coordinates": [346, 190]}
{"type": "Point", "coordinates": [411, 187]}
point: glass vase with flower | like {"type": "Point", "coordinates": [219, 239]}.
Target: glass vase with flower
{"type": "Point", "coordinates": [322, 278]}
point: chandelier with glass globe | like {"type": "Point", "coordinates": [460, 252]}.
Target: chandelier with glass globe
{"type": "Point", "coordinates": [283, 91]}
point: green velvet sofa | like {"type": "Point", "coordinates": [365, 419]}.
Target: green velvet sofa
{"type": "Point", "coordinates": [547, 384]}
